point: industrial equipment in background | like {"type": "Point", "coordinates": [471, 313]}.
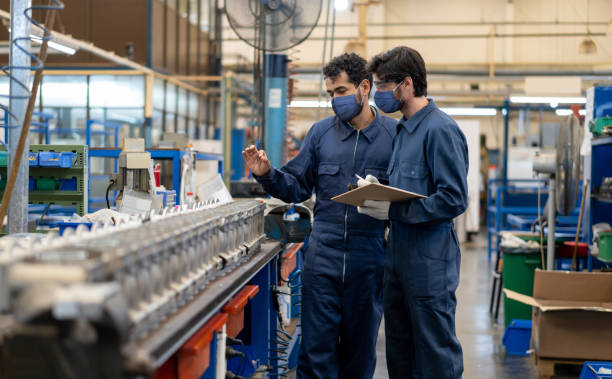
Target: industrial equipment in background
{"type": "Point", "coordinates": [562, 168]}
{"type": "Point", "coordinates": [135, 179]}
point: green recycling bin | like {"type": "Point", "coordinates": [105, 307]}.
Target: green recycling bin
{"type": "Point", "coordinates": [518, 272]}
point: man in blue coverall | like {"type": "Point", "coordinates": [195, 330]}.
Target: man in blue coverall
{"type": "Point", "coordinates": [342, 282]}
{"type": "Point", "coordinates": [429, 157]}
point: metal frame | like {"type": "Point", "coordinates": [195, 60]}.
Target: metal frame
{"type": "Point", "coordinates": [173, 154]}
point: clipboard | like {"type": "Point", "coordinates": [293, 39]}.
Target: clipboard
{"type": "Point", "coordinates": [375, 191]}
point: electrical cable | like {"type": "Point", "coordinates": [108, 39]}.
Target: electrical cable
{"type": "Point", "coordinates": [112, 181]}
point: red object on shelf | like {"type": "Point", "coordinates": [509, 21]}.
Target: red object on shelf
{"type": "Point", "coordinates": [194, 356]}
{"type": "Point", "coordinates": [157, 175]}
{"type": "Point", "coordinates": [567, 249]}
{"type": "Point", "coordinates": [235, 309]}
{"type": "Point", "coordinates": [289, 260]}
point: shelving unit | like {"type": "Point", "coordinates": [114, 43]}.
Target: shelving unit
{"type": "Point", "coordinates": [73, 198]}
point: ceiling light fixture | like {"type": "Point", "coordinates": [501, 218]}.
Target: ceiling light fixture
{"type": "Point", "coordinates": [451, 111]}
{"type": "Point", "coordinates": [309, 104]}
{"type": "Point", "coordinates": [54, 45]}
{"type": "Point", "coordinates": [547, 100]}
{"type": "Point", "coordinates": [587, 46]}
{"type": "Point", "coordinates": [567, 112]}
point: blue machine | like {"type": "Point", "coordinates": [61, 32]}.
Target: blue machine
{"type": "Point", "coordinates": [597, 167]}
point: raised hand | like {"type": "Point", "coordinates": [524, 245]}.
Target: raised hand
{"type": "Point", "coordinates": [256, 160]}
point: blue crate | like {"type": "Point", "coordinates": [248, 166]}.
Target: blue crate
{"type": "Point", "coordinates": [68, 184]}
{"type": "Point", "coordinates": [53, 159]}
{"type": "Point", "coordinates": [63, 225]}
{"type": "Point", "coordinates": [590, 370]}
{"type": "Point", "coordinates": [168, 197]}
{"type": "Point", "coordinates": [32, 184]}
{"type": "Point", "coordinates": [33, 159]}
{"type": "Point", "coordinates": [517, 336]}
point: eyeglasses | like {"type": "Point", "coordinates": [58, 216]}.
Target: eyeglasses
{"type": "Point", "coordinates": [386, 85]}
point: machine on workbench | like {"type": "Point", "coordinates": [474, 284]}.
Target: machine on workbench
{"type": "Point", "coordinates": [119, 301]}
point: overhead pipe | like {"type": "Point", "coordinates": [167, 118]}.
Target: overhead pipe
{"type": "Point", "coordinates": [457, 36]}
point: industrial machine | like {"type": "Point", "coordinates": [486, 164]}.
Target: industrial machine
{"type": "Point", "coordinates": [107, 304]}
{"type": "Point", "coordinates": [134, 179]}
{"type": "Point", "coordinates": [562, 168]}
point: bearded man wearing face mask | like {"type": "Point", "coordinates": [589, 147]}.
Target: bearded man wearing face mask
{"type": "Point", "coordinates": [343, 272]}
{"type": "Point", "coordinates": [430, 157]}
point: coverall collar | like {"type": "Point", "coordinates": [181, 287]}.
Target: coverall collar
{"type": "Point", "coordinates": [414, 121]}
{"type": "Point", "coordinates": [369, 132]}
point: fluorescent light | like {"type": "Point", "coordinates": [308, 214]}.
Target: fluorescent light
{"type": "Point", "coordinates": [54, 45]}
{"type": "Point", "coordinates": [470, 111]}
{"type": "Point", "coordinates": [309, 104]}
{"type": "Point", "coordinates": [547, 100]}
{"type": "Point", "coordinates": [341, 5]}
{"type": "Point", "coordinates": [567, 112]}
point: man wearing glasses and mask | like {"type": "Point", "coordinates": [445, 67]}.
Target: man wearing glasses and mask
{"type": "Point", "coordinates": [429, 157]}
{"type": "Point", "coordinates": [342, 282]}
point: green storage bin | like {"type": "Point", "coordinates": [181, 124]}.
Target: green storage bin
{"type": "Point", "coordinates": [605, 246]}
{"type": "Point", "coordinates": [518, 272]}
{"type": "Point", "coordinates": [3, 159]}
{"type": "Point", "coordinates": [46, 184]}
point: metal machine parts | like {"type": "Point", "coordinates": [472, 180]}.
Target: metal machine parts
{"type": "Point", "coordinates": [132, 276]}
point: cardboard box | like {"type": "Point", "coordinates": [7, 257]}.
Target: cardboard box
{"type": "Point", "coordinates": [572, 314]}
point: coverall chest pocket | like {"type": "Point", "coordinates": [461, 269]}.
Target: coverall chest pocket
{"type": "Point", "coordinates": [413, 177]}
{"type": "Point", "coordinates": [329, 180]}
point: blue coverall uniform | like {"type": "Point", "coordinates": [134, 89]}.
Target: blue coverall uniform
{"type": "Point", "coordinates": [344, 262]}
{"type": "Point", "coordinates": [429, 157]}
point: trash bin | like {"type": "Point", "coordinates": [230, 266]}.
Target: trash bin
{"type": "Point", "coordinates": [518, 272]}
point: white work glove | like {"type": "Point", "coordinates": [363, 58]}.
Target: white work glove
{"type": "Point", "coordinates": [375, 209]}
{"type": "Point", "coordinates": [369, 179]}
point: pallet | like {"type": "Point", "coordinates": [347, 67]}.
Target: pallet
{"type": "Point", "coordinates": [546, 366]}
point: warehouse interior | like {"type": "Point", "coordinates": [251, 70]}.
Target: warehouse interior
{"type": "Point", "coordinates": [137, 240]}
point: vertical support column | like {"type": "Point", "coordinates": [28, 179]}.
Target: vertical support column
{"type": "Point", "coordinates": [20, 63]}
{"type": "Point", "coordinates": [226, 133]}
{"type": "Point", "coordinates": [506, 113]}
{"type": "Point", "coordinates": [275, 69]}
{"type": "Point", "coordinates": [148, 110]}
{"type": "Point", "coordinates": [552, 207]}
{"type": "Point", "coordinates": [363, 27]}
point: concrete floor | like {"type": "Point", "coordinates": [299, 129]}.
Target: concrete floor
{"type": "Point", "coordinates": [483, 354]}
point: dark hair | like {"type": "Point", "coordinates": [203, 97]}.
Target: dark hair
{"type": "Point", "coordinates": [352, 64]}
{"type": "Point", "coordinates": [399, 62]}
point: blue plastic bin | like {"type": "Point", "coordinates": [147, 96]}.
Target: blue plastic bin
{"type": "Point", "coordinates": [68, 184]}
{"type": "Point", "coordinates": [591, 369]}
{"type": "Point", "coordinates": [517, 336]}
{"type": "Point", "coordinates": [33, 159]}
{"type": "Point", "coordinates": [32, 184]}
{"type": "Point", "coordinates": [63, 225]}
{"type": "Point", "coordinates": [53, 159]}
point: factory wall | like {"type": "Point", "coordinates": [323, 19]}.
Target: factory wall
{"type": "Point", "coordinates": [450, 50]}
{"type": "Point", "coordinates": [178, 44]}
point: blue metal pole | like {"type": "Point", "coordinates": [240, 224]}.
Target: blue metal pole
{"type": "Point", "coordinates": [276, 111]}
{"type": "Point", "coordinates": [506, 111]}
